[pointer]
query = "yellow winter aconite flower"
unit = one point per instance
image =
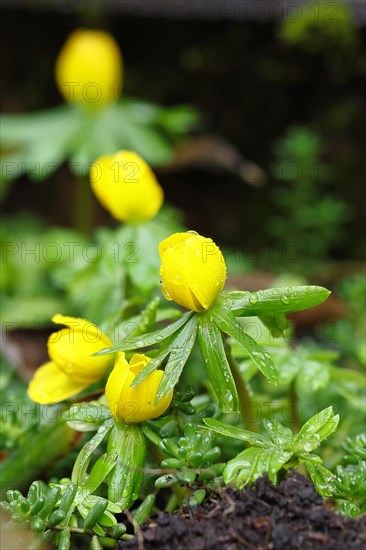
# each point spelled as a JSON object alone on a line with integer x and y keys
{"x": 72, "y": 367}
{"x": 134, "y": 404}
{"x": 89, "y": 68}
{"x": 126, "y": 186}
{"x": 192, "y": 271}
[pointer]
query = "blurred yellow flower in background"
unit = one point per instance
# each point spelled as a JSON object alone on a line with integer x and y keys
{"x": 193, "y": 270}
{"x": 135, "y": 404}
{"x": 72, "y": 367}
{"x": 89, "y": 68}
{"x": 126, "y": 186}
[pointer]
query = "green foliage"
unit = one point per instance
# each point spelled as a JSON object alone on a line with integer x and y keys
{"x": 55, "y": 269}
{"x": 190, "y": 456}
{"x": 316, "y": 373}
{"x": 29, "y": 294}
{"x": 14, "y": 424}
{"x": 177, "y": 339}
{"x": 120, "y": 468}
{"x": 309, "y": 216}
{"x": 126, "y": 446}
{"x": 316, "y": 26}
{"x": 351, "y": 329}
{"x": 350, "y": 478}
{"x": 274, "y": 301}
{"x": 55, "y": 511}
{"x": 279, "y": 449}
{"x": 38, "y": 143}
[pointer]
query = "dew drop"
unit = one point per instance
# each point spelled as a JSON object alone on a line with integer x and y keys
{"x": 253, "y": 299}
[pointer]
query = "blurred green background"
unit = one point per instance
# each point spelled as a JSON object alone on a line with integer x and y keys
{"x": 252, "y": 78}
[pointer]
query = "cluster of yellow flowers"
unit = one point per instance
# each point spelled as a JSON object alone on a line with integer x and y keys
{"x": 193, "y": 274}
{"x": 73, "y": 368}
{"x": 193, "y": 270}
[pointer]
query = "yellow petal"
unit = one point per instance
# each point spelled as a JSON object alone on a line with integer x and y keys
{"x": 89, "y": 68}
{"x": 173, "y": 240}
{"x": 126, "y": 186}
{"x": 50, "y": 385}
{"x": 205, "y": 269}
{"x": 134, "y": 404}
{"x": 139, "y": 400}
{"x": 137, "y": 362}
{"x": 173, "y": 276}
{"x": 192, "y": 271}
{"x": 72, "y": 349}
{"x": 115, "y": 384}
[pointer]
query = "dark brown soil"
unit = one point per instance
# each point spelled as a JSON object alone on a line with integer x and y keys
{"x": 263, "y": 517}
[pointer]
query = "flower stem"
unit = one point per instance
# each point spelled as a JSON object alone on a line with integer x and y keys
{"x": 83, "y": 206}
{"x": 248, "y": 411}
{"x": 293, "y": 408}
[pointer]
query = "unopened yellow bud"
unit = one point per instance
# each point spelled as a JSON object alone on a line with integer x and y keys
{"x": 89, "y": 68}
{"x": 126, "y": 186}
{"x": 135, "y": 404}
{"x": 192, "y": 271}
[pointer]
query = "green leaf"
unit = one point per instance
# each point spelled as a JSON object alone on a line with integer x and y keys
{"x": 178, "y": 119}
{"x": 322, "y": 478}
{"x": 281, "y": 436}
{"x": 125, "y": 122}
{"x": 351, "y": 385}
{"x": 178, "y": 357}
{"x": 226, "y": 322}
{"x": 91, "y": 500}
{"x": 68, "y": 498}
{"x": 252, "y": 463}
{"x": 42, "y": 138}
{"x": 83, "y": 459}
{"x": 143, "y": 512}
{"x": 315, "y": 430}
{"x": 99, "y": 472}
{"x": 148, "y": 316}
{"x": 236, "y": 433}
{"x": 95, "y": 513}
{"x": 55, "y": 518}
{"x": 92, "y": 411}
{"x": 219, "y": 372}
{"x": 155, "y": 363}
{"x": 277, "y": 324}
{"x": 148, "y": 339}
{"x": 274, "y": 301}
{"x": 127, "y": 442}
{"x": 313, "y": 376}
{"x": 355, "y": 449}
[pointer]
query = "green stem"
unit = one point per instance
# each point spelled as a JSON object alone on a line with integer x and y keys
{"x": 88, "y": 532}
{"x": 83, "y": 206}
{"x": 293, "y": 409}
{"x": 248, "y": 411}
{"x": 172, "y": 503}
{"x": 295, "y": 423}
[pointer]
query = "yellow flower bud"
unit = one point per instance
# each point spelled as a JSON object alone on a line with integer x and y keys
{"x": 192, "y": 271}
{"x": 89, "y": 68}
{"x": 134, "y": 404}
{"x": 72, "y": 367}
{"x": 126, "y": 186}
